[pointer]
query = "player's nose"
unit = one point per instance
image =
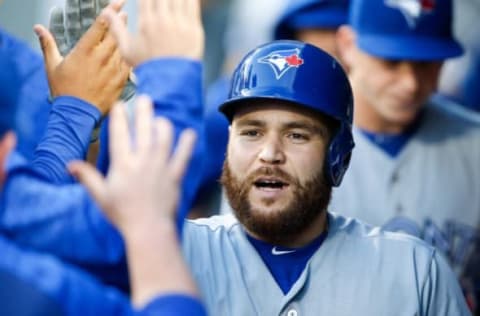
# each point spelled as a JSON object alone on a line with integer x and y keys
{"x": 272, "y": 151}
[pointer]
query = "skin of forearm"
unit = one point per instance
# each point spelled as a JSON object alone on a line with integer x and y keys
{"x": 156, "y": 264}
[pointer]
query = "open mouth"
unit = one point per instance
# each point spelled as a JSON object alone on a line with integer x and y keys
{"x": 270, "y": 183}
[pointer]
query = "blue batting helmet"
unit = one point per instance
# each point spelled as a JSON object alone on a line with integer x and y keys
{"x": 307, "y": 76}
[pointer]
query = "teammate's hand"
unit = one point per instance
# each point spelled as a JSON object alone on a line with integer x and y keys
{"x": 67, "y": 27}
{"x": 166, "y": 28}
{"x": 94, "y": 70}
{"x": 142, "y": 187}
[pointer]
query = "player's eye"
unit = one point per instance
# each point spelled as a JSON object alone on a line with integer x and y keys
{"x": 298, "y": 137}
{"x": 250, "y": 133}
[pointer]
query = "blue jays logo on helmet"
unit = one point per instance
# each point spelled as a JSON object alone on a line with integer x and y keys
{"x": 282, "y": 60}
{"x": 412, "y": 10}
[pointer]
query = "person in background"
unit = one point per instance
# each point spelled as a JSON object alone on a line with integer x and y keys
{"x": 415, "y": 167}
{"x": 313, "y": 21}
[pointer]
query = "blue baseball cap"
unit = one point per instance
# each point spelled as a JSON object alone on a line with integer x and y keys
{"x": 405, "y": 29}
{"x": 300, "y": 14}
{"x": 9, "y": 89}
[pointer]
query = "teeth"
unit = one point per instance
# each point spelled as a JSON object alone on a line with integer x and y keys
{"x": 275, "y": 184}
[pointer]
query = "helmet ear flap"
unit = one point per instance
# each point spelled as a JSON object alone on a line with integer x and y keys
{"x": 338, "y": 155}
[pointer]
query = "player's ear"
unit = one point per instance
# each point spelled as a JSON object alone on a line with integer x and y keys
{"x": 7, "y": 143}
{"x": 346, "y": 44}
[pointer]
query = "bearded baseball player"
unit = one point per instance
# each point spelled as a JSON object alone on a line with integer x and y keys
{"x": 291, "y": 110}
{"x": 283, "y": 253}
{"x": 291, "y": 113}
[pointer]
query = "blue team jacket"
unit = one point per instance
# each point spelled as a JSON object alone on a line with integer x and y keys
{"x": 42, "y": 210}
{"x": 31, "y": 81}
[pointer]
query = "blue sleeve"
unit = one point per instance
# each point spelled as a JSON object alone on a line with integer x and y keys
{"x": 74, "y": 291}
{"x": 175, "y": 86}
{"x": 64, "y": 221}
{"x": 173, "y": 305}
{"x": 33, "y": 108}
{"x": 103, "y": 159}
{"x": 31, "y": 82}
{"x": 67, "y": 138}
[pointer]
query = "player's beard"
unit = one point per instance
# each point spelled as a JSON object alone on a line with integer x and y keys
{"x": 284, "y": 224}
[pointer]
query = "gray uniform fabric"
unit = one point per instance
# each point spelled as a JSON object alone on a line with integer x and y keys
{"x": 431, "y": 190}
{"x": 358, "y": 270}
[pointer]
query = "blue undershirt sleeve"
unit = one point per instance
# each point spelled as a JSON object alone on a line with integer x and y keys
{"x": 67, "y": 138}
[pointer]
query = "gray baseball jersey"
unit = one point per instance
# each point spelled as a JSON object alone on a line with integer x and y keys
{"x": 358, "y": 270}
{"x": 430, "y": 190}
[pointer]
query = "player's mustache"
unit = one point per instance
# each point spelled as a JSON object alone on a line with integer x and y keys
{"x": 271, "y": 172}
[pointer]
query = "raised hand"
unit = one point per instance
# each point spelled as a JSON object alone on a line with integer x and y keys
{"x": 68, "y": 26}
{"x": 94, "y": 70}
{"x": 166, "y": 28}
{"x": 142, "y": 188}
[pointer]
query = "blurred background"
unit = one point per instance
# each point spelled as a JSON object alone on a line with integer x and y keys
{"x": 235, "y": 26}
{"x": 247, "y": 23}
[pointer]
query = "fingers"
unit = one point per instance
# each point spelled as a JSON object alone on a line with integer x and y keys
{"x": 91, "y": 179}
{"x": 116, "y": 5}
{"x": 119, "y": 144}
{"x": 186, "y": 8}
{"x": 57, "y": 28}
{"x": 164, "y": 140}
{"x": 51, "y": 55}
{"x": 113, "y": 76}
{"x": 182, "y": 154}
{"x": 152, "y": 5}
{"x": 107, "y": 48}
{"x": 109, "y": 44}
{"x": 95, "y": 33}
{"x": 119, "y": 31}
{"x": 194, "y": 10}
{"x": 146, "y": 15}
{"x": 178, "y": 7}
